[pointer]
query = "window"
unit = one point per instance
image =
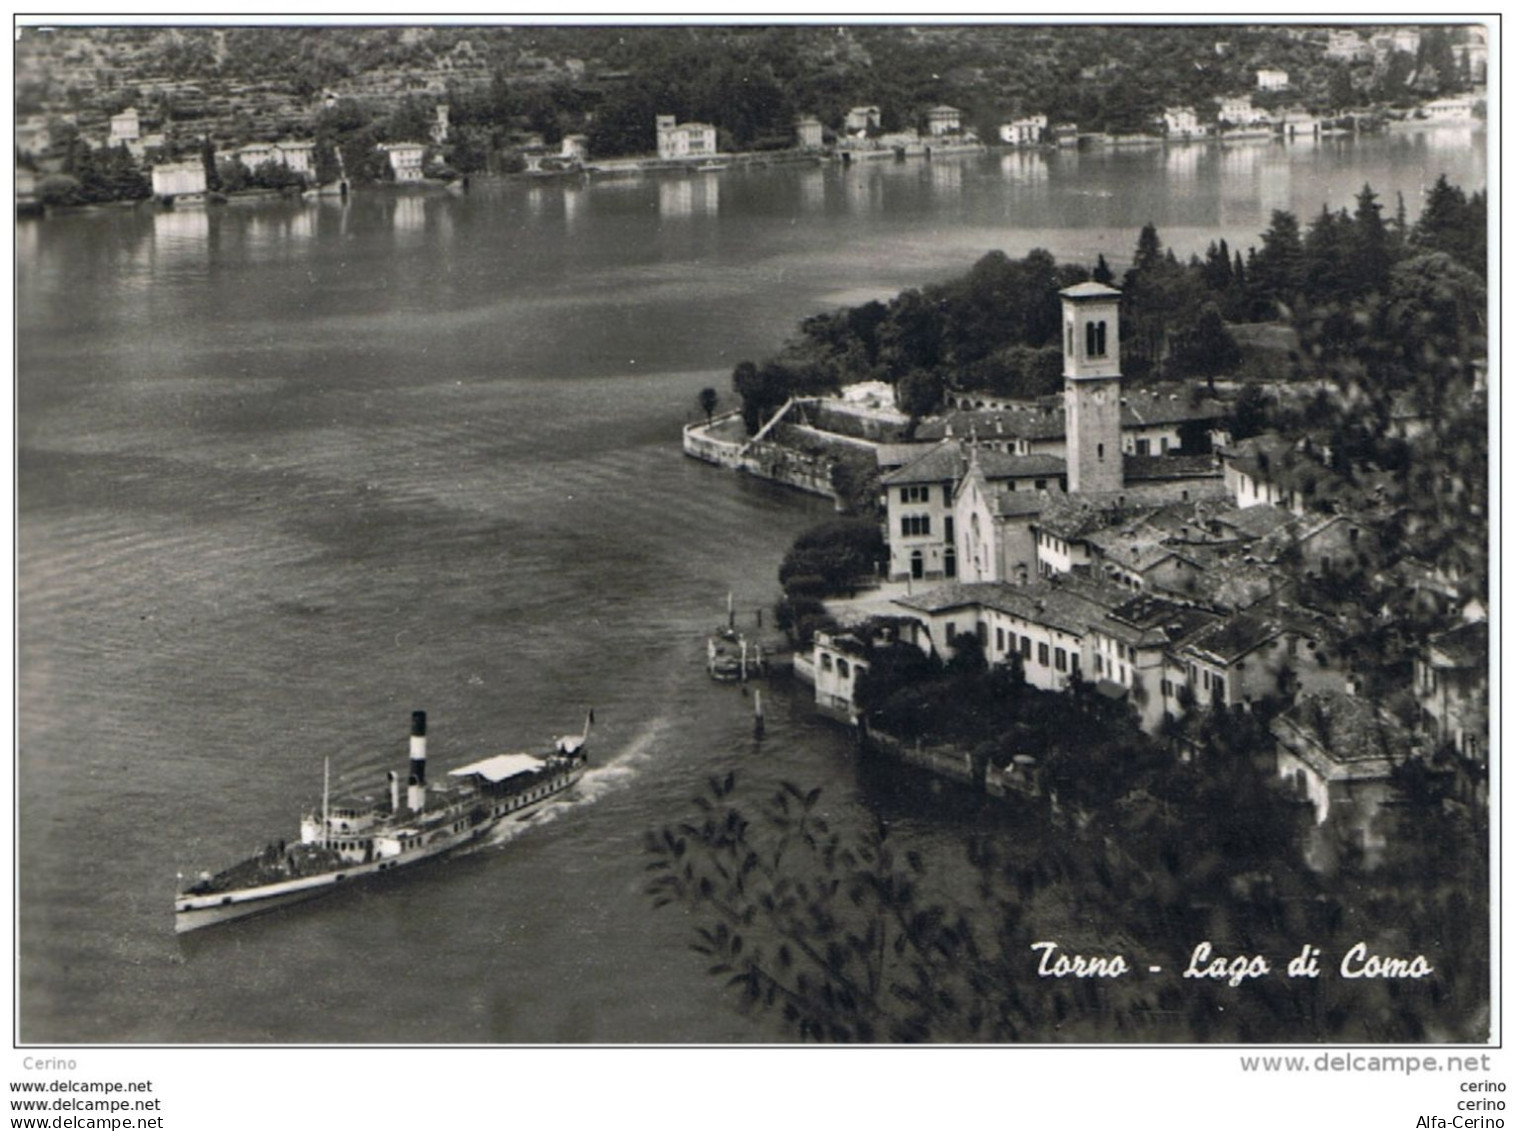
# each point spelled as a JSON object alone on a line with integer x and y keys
{"x": 825, "y": 661}
{"x": 1073, "y": 660}
{"x": 917, "y": 565}
{"x": 1219, "y": 687}
{"x": 1041, "y": 654}
{"x": 1060, "y": 660}
{"x": 915, "y": 525}
{"x": 1094, "y": 339}
{"x": 948, "y": 528}
{"x": 843, "y": 669}
{"x": 1099, "y": 450}
{"x": 999, "y": 639}
{"x": 1144, "y": 447}
{"x": 1041, "y": 484}
{"x": 915, "y": 494}
{"x": 951, "y": 632}
{"x": 1025, "y": 647}
{"x": 1099, "y": 664}
{"x": 1070, "y": 338}
{"x": 949, "y": 562}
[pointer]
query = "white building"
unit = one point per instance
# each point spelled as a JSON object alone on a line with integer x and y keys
{"x": 861, "y": 119}
{"x": 1182, "y": 122}
{"x": 405, "y": 159}
{"x": 1272, "y": 80}
{"x": 1239, "y": 111}
{"x": 691, "y": 139}
{"x": 184, "y": 178}
{"x": 809, "y": 133}
{"x": 1025, "y": 131}
{"x": 125, "y": 128}
{"x": 1459, "y": 109}
{"x": 943, "y": 120}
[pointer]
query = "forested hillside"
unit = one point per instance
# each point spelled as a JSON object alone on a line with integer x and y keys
{"x": 749, "y": 81}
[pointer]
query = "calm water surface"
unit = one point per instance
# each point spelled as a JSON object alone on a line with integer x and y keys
{"x": 289, "y": 471}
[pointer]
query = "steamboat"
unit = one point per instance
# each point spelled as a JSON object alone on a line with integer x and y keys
{"x": 350, "y": 839}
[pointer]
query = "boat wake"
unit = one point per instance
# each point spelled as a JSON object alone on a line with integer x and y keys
{"x": 598, "y": 782}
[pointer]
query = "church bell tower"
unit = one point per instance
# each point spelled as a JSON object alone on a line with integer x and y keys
{"x": 1091, "y": 386}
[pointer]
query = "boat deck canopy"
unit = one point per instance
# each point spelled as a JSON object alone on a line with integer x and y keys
{"x": 498, "y": 768}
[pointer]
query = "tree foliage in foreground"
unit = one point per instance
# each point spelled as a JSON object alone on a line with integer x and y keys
{"x": 845, "y": 934}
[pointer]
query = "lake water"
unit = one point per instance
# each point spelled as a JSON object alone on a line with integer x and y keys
{"x": 288, "y": 471}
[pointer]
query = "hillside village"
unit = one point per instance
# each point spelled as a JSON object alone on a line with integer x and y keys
{"x": 1121, "y": 542}
{"x": 143, "y": 111}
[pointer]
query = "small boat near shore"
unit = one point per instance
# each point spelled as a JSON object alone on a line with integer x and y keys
{"x": 729, "y": 656}
{"x": 349, "y": 839}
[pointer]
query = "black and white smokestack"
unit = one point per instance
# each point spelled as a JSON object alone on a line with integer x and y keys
{"x": 415, "y": 795}
{"x": 418, "y": 747}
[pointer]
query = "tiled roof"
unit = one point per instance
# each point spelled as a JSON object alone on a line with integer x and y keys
{"x": 1139, "y": 469}
{"x": 1089, "y": 290}
{"x": 941, "y": 463}
{"x": 1004, "y": 503}
{"x": 1229, "y": 640}
{"x": 1343, "y": 737}
{"x": 1466, "y": 646}
{"x": 1257, "y": 522}
{"x": 1075, "y": 517}
{"x": 1068, "y": 606}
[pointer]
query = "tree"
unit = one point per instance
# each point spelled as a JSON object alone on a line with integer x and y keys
{"x": 208, "y": 161}
{"x": 919, "y": 392}
{"x": 325, "y": 165}
{"x": 1207, "y": 350}
{"x": 1276, "y": 273}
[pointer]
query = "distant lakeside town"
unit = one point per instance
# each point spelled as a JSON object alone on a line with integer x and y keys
{"x": 167, "y": 122}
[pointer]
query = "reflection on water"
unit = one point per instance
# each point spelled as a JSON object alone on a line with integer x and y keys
{"x": 1275, "y": 180}
{"x": 812, "y": 190}
{"x": 575, "y": 201}
{"x": 1443, "y": 139}
{"x": 1182, "y": 161}
{"x": 696, "y": 194}
{"x": 409, "y": 213}
{"x": 1024, "y": 168}
{"x": 946, "y": 178}
{"x": 180, "y": 239}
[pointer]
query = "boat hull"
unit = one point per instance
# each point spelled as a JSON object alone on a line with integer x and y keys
{"x": 192, "y": 912}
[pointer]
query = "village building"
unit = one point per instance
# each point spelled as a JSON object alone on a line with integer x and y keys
{"x": 1046, "y": 624}
{"x": 918, "y": 503}
{"x": 942, "y": 120}
{"x": 575, "y": 147}
{"x": 405, "y": 159}
{"x": 809, "y": 133}
{"x": 125, "y": 128}
{"x": 689, "y": 139}
{"x": 996, "y": 501}
{"x": 298, "y": 157}
{"x": 1269, "y": 470}
{"x": 1452, "y": 690}
{"x": 179, "y": 180}
{"x": 839, "y": 659}
{"x": 1025, "y": 131}
{"x": 1268, "y": 79}
{"x": 1346, "y": 46}
{"x": 1458, "y": 108}
{"x": 1182, "y": 122}
{"x": 1262, "y": 653}
{"x": 1338, "y": 752}
{"x": 861, "y": 119}
{"x": 1129, "y": 647}
{"x": 441, "y": 124}
{"x": 1238, "y": 111}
